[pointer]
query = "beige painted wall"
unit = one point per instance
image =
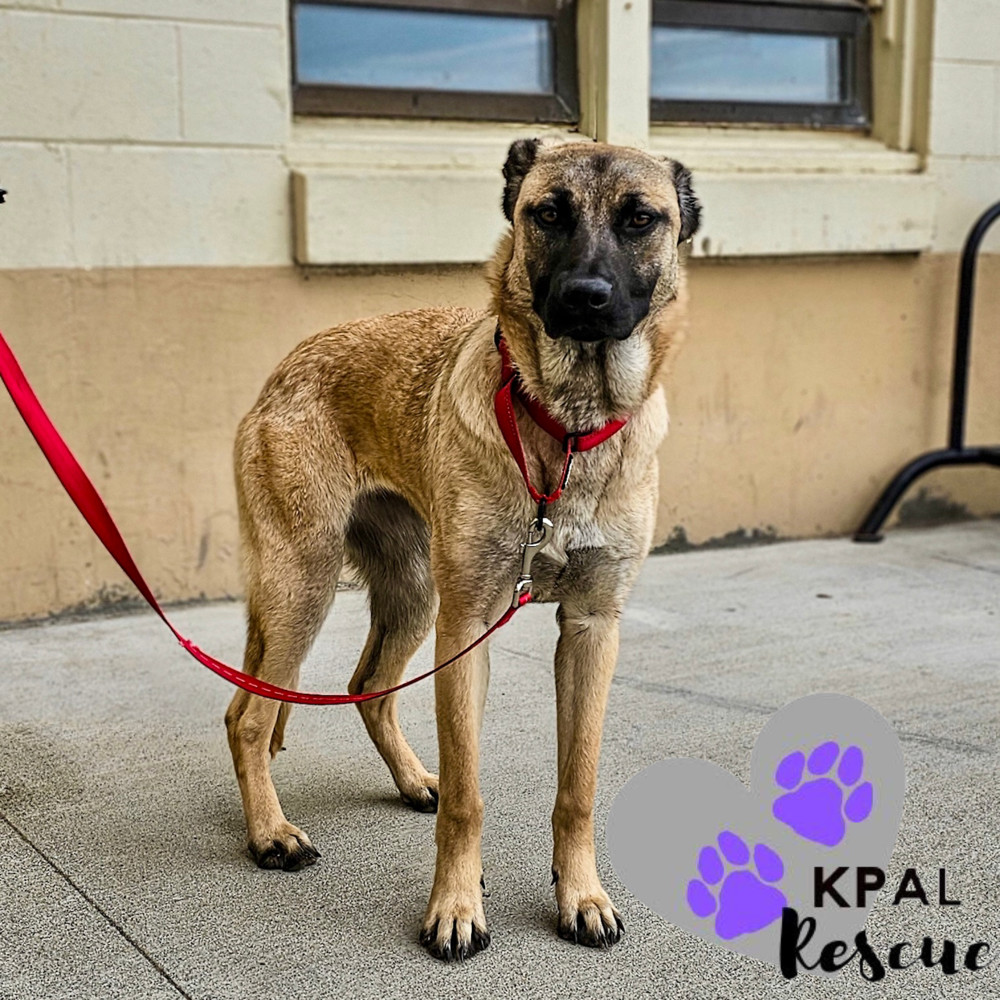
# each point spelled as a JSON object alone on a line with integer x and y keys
{"x": 801, "y": 388}
{"x": 806, "y": 384}
{"x": 146, "y": 277}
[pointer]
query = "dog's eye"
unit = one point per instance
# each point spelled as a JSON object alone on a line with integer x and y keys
{"x": 641, "y": 220}
{"x": 547, "y": 215}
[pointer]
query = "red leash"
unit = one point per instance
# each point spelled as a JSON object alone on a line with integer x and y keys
{"x": 82, "y": 492}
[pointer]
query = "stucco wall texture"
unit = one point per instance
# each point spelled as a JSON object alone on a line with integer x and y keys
{"x": 802, "y": 386}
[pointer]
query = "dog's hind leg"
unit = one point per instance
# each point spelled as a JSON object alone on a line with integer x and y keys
{"x": 278, "y": 736}
{"x": 282, "y": 622}
{"x": 294, "y": 491}
{"x": 388, "y": 543}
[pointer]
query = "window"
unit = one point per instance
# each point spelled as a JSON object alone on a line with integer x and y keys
{"x": 781, "y": 62}
{"x": 505, "y": 60}
{"x": 836, "y": 93}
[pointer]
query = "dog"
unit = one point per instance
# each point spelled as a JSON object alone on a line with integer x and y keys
{"x": 376, "y": 442}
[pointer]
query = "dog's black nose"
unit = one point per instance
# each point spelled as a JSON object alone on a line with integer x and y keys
{"x": 584, "y": 295}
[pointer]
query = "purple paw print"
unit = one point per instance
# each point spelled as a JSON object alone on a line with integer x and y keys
{"x": 743, "y": 904}
{"x": 816, "y": 809}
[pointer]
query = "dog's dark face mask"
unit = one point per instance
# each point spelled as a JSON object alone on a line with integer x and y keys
{"x": 596, "y": 229}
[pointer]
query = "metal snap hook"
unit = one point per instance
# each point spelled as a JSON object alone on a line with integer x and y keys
{"x": 539, "y": 534}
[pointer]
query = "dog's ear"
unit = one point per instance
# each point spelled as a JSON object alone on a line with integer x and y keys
{"x": 520, "y": 158}
{"x": 687, "y": 200}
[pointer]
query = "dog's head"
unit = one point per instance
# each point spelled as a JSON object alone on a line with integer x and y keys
{"x": 596, "y": 231}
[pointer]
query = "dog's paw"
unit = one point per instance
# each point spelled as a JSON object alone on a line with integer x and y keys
{"x": 454, "y": 926}
{"x": 588, "y": 917}
{"x": 422, "y": 795}
{"x": 288, "y": 848}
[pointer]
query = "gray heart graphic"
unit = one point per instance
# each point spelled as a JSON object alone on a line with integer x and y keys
{"x": 826, "y": 789}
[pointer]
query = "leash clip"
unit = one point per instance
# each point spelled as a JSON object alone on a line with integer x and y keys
{"x": 539, "y": 533}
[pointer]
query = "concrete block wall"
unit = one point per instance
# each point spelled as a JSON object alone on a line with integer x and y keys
{"x": 154, "y": 132}
{"x": 964, "y": 155}
{"x": 144, "y": 133}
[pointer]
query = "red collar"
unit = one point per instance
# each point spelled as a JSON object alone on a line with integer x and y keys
{"x": 572, "y": 441}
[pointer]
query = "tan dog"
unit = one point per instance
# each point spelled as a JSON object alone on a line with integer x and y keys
{"x": 377, "y": 442}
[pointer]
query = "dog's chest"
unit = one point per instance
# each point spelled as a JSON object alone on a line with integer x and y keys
{"x": 571, "y": 532}
{"x": 592, "y": 541}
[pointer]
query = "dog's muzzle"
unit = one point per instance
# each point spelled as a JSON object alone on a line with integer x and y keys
{"x": 587, "y": 308}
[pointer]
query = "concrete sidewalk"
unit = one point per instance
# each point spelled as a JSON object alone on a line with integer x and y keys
{"x": 124, "y": 872}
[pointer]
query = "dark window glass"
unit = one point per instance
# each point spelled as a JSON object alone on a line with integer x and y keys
{"x": 433, "y": 50}
{"x": 506, "y": 60}
{"x": 710, "y": 64}
{"x": 757, "y": 61}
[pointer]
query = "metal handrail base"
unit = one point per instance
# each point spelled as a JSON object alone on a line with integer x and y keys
{"x": 870, "y": 530}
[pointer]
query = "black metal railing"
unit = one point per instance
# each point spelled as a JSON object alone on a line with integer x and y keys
{"x": 956, "y": 453}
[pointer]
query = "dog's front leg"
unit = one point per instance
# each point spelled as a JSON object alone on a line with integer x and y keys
{"x": 585, "y": 663}
{"x": 454, "y": 925}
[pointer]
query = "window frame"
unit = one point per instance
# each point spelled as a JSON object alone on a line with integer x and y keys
{"x": 345, "y": 169}
{"x": 561, "y": 106}
{"x": 848, "y": 20}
